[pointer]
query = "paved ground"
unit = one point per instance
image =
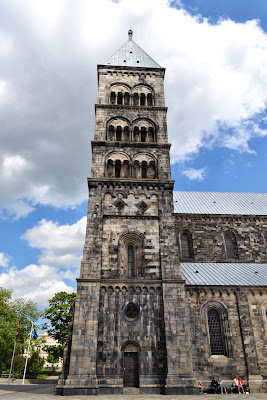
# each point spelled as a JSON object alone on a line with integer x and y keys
{"x": 29, "y": 394}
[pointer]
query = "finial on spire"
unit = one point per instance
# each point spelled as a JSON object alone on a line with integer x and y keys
{"x": 130, "y": 34}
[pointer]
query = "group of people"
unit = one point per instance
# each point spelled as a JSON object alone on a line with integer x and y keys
{"x": 218, "y": 386}
{"x": 237, "y": 382}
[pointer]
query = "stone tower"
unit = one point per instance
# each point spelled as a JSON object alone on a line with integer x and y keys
{"x": 131, "y": 321}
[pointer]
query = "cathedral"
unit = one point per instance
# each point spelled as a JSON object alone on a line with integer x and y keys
{"x": 173, "y": 285}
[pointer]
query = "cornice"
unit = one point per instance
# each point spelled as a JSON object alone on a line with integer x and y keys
{"x": 145, "y": 145}
{"x": 164, "y": 184}
{"x": 130, "y": 107}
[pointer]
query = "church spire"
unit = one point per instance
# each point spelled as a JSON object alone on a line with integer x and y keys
{"x": 131, "y": 55}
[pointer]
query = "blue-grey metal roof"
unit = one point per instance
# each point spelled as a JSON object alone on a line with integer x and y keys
{"x": 225, "y": 274}
{"x": 131, "y": 55}
{"x": 220, "y": 203}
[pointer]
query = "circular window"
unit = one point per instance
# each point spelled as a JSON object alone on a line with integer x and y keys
{"x": 131, "y": 311}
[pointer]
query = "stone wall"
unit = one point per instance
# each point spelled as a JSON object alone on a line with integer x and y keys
{"x": 243, "y": 330}
{"x": 208, "y": 236}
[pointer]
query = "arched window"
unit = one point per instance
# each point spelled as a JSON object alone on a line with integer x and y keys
{"x": 149, "y": 99}
{"x": 135, "y": 99}
{"x": 143, "y": 134}
{"x": 136, "y": 134}
{"x": 112, "y": 98}
{"x": 125, "y": 169}
{"x": 215, "y": 333}
{"x": 151, "y": 135}
{"x": 119, "y": 98}
{"x": 143, "y": 99}
{"x": 110, "y": 168}
{"x": 144, "y": 169}
{"x": 230, "y": 245}
{"x": 117, "y": 169}
{"x": 118, "y": 133}
{"x": 130, "y": 254}
{"x": 130, "y": 261}
{"x": 136, "y": 170}
{"x": 111, "y": 133}
{"x": 126, "y": 98}
{"x": 187, "y": 246}
{"x": 126, "y": 133}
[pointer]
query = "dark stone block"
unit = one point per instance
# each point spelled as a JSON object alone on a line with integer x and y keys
{"x": 181, "y": 390}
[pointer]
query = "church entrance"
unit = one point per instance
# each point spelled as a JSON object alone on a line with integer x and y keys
{"x": 130, "y": 366}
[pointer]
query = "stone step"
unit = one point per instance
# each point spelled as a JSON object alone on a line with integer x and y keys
{"x": 131, "y": 390}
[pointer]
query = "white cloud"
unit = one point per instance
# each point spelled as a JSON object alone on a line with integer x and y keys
{"x": 59, "y": 261}
{"x": 194, "y": 174}
{"x": 4, "y": 260}
{"x": 215, "y": 77}
{"x": 60, "y": 245}
{"x": 38, "y": 283}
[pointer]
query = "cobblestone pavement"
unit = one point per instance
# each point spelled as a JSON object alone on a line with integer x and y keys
{"x": 15, "y": 395}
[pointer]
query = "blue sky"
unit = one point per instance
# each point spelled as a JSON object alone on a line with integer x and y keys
{"x": 215, "y": 54}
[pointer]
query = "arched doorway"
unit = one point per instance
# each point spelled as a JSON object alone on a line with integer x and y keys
{"x": 130, "y": 366}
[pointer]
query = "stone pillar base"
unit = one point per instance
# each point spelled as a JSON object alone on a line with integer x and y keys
{"x": 181, "y": 384}
{"x": 151, "y": 384}
{"x": 78, "y": 385}
{"x": 110, "y": 384}
{"x": 256, "y": 384}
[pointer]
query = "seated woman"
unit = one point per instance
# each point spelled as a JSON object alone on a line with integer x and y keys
{"x": 237, "y": 385}
{"x": 241, "y": 384}
{"x": 200, "y": 386}
{"x": 222, "y": 386}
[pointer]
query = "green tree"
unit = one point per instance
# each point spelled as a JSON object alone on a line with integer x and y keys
{"x": 59, "y": 314}
{"x": 10, "y": 314}
{"x": 35, "y": 365}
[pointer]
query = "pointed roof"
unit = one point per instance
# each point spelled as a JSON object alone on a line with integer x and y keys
{"x": 131, "y": 55}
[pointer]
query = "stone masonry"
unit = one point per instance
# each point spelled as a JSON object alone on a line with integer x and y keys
{"x": 136, "y": 322}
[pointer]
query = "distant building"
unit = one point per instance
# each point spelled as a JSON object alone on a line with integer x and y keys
{"x": 173, "y": 285}
{"x": 49, "y": 341}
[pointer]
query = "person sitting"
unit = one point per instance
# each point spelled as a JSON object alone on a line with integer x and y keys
{"x": 237, "y": 385}
{"x": 222, "y": 386}
{"x": 200, "y": 386}
{"x": 241, "y": 384}
{"x": 214, "y": 385}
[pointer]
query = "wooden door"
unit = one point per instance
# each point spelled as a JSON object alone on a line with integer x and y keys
{"x": 131, "y": 375}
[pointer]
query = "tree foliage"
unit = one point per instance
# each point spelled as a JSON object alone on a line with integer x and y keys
{"x": 59, "y": 314}
{"x": 10, "y": 313}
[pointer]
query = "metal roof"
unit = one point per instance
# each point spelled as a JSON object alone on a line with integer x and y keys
{"x": 220, "y": 203}
{"x": 225, "y": 274}
{"x": 131, "y": 55}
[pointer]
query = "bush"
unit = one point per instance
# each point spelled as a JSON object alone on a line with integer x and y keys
{"x": 35, "y": 365}
{"x": 18, "y": 365}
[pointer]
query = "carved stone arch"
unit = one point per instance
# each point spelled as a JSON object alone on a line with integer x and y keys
{"x": 113, "y": 124}
{"x": 146, "y": 85}
{"x": 114, "y": 161}
{"x": 131, "y": 346}
{"x": 120, "y": 83}
{"x": 149, "y": 125}
{"x": 223, "y": 329}
{"x": 131, "y": 254}
{"x": 118, "y": 91}
{"x": 230, "y": 241}
{"x": 142, "y": 161}
{"x": 186, "y": 245}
